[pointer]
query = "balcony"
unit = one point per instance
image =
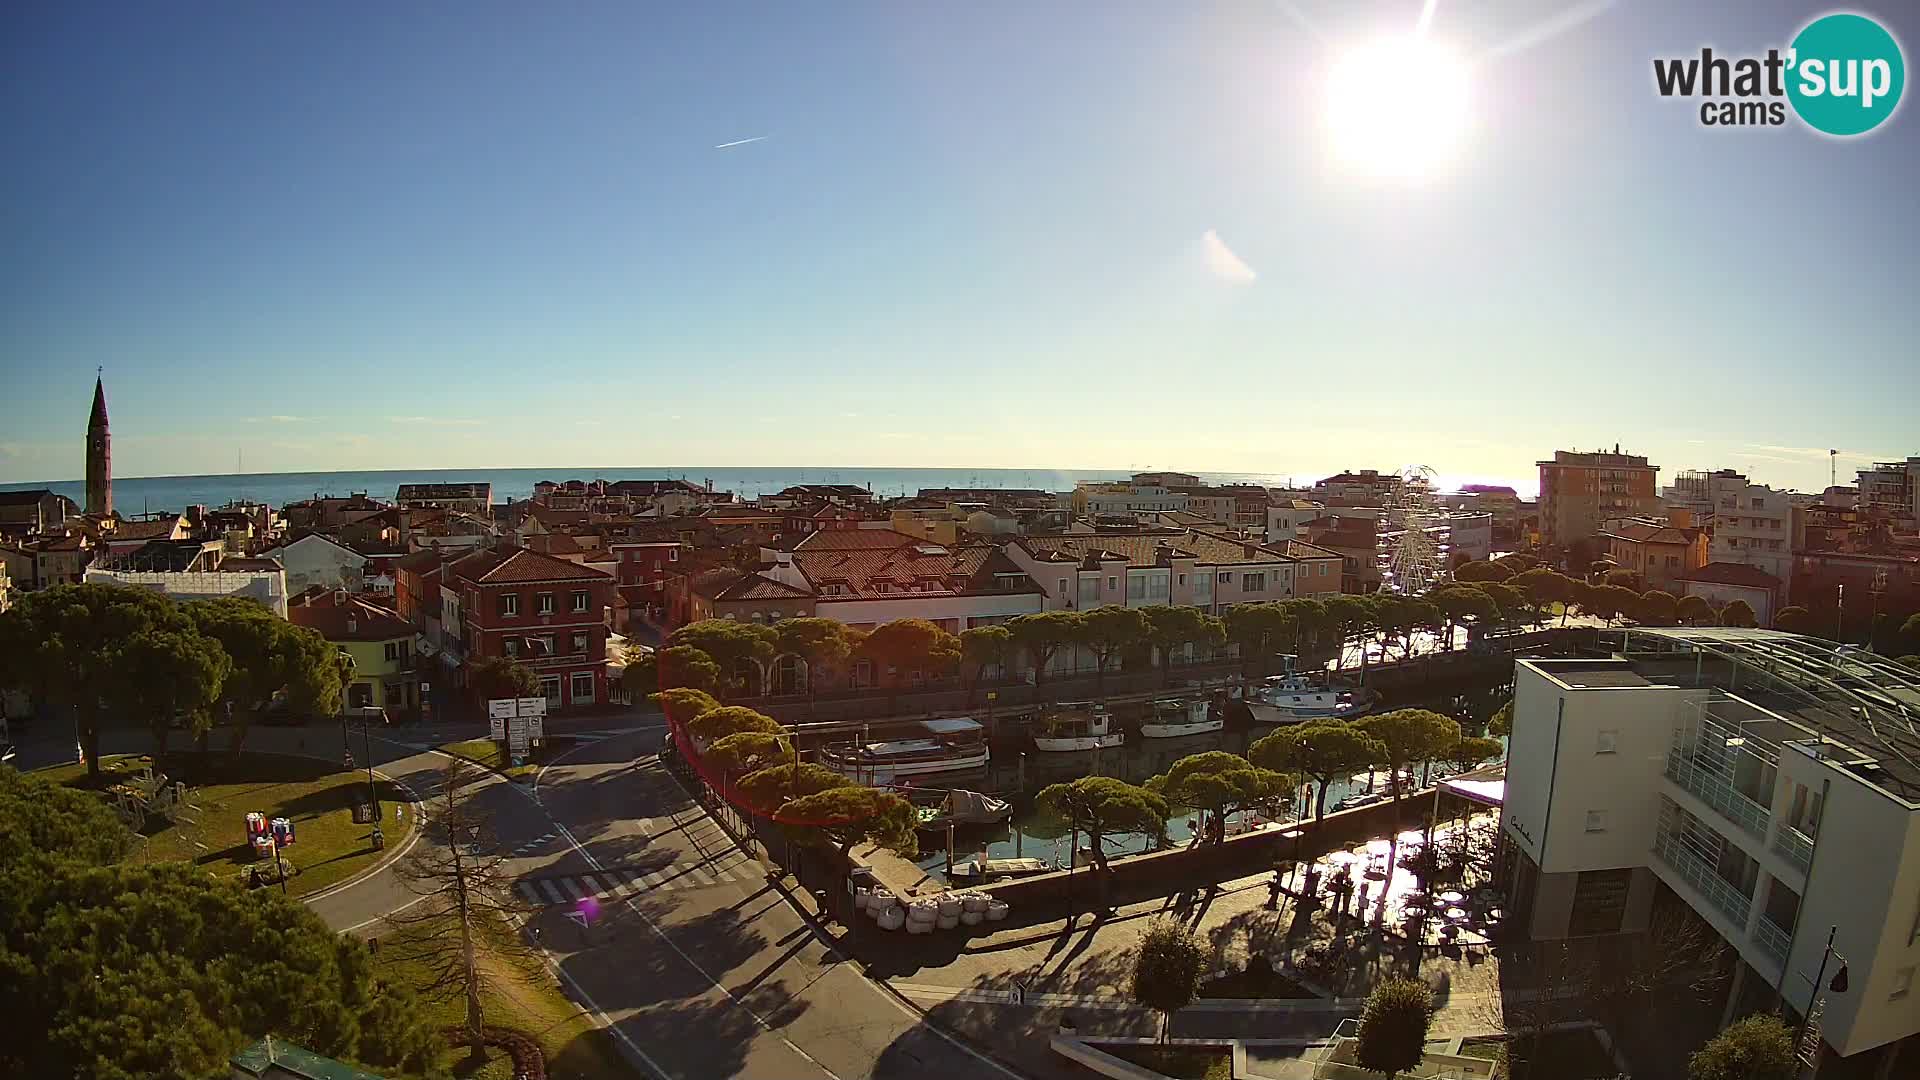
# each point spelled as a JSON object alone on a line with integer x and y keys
{"x": 1715, "y": 790}
{"x": 1773, "y": 941}
{"x": 1794, "y": 846}
{"x": 1695, "y": 872}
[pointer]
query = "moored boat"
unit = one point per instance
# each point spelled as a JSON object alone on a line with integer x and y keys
{"x": 950, "y": 746}
{"x": 1174, "y": 717}
{"x": 1076, "y": 725}
{"x": 1290, "y": 699}
{"x": 981, "y": 871}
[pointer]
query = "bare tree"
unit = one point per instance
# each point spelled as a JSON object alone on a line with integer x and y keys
{"x": 467, "y": 909}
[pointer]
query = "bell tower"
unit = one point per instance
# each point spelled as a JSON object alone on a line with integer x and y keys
{"x": 99, "y": 454}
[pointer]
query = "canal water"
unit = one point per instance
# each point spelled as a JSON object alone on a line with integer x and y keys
{"x": 1018, "y": 774}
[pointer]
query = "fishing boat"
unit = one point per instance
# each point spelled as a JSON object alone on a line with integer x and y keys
{"x": 981, "y": 871}
{"x": 1291, "y": 698}
{"x": 1077, "y": 725}
{"x": 949, "y": 746}
{"x": 962, "y": 808}
{"x": 1174, "y": 717}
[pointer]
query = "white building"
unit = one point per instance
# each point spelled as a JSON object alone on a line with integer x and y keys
{"x": 1753, "y": 526}
{"x": 317, "y": 559}
{"x": 269, "y": 587}
{"x": 1891, "y": 489}
{"x": 1125, "y": 500}
{"x": 1769, "y": 781}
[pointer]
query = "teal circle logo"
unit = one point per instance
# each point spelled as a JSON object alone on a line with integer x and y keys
{"x": 1845, "y": 74}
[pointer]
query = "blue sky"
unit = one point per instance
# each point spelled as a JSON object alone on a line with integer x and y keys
{"x": 354, "y": 236}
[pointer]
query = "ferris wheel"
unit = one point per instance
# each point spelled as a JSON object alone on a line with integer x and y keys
{"x": 1413, "y": 536}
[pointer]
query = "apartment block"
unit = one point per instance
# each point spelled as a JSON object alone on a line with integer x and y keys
{"x": 1769, "y": 781}
{"x": 1579, "y": 490}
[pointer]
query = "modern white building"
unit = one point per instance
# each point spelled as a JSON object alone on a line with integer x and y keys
{"x": 1770, "y": 781}
{"x": 1891, "y": 489}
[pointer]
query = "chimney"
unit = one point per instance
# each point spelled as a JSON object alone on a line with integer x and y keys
{"x": 1250, "y": 550}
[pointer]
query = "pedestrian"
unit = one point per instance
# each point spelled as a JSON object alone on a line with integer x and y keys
{"x": 1273, "y": 890}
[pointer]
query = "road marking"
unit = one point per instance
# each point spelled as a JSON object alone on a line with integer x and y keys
{"x": 711, "y": 981}
{"x": 573, "y": 889}
{"x": 552, "y": 891}
{"x": 593, "y": 884}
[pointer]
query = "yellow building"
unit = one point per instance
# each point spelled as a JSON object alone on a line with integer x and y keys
{"x": 385, "y": 666}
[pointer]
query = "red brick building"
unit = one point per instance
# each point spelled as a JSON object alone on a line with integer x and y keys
{"x": 642, "y": 568}
{"x": 547, "y": 613}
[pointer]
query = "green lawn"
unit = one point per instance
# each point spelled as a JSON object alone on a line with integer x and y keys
{"x": 523, "y": 995}
{"x": 494, "y": 756}
{"x": 1180, "y": 1062}
{"x": 317, "y": 797}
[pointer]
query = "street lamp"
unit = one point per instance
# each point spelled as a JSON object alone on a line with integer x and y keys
{"x": 1838, "y": 985}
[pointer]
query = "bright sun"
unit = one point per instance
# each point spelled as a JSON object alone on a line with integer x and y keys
{"x": 1397, "y": 108}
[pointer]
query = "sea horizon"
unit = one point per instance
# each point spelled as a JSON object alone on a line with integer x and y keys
{"x": 153, "y": 494}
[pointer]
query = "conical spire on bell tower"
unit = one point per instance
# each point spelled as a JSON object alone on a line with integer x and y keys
{"x": 99, "y": 452}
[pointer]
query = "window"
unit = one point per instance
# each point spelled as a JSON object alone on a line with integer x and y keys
{"x": 1136, "y": 587}
{"x": 582, "y": 687}
{"x": 673, "y": 554}
{"x": 1759, "y": 504}
{"x": 1060, "y": 587}
{"x": 1113, "y": 584}
{"x": 397, "y": 650}
{"x": 545, "y": 642}
{"x": 1253, "y": 582}
{"x": 580, "y": 600}
{"x": 543, "y": 603}
{"x": 396, "y": 695}
{"x": 579, "y": 644}
{"x": 511, "y": 646}
{"x": 550, "y": 689}
{"x": 510, "y": 603}
{"x": 1183, "y": 579}
{"x": 1596, "y": 821}
{"x": 1226, "y": 577}
{"x": 1607, "y": 743}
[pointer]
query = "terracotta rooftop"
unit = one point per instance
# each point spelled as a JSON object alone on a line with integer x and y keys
{"x": 521, "y": 566}
{"x": 144, "y": 530}
{"x": 1654, "y": 534}
{"x": 853, "y": 539}
{"x": 908, "y": 567}
{"x": 1141, "y": 549}
{"x": 341, "y": 617}
{"x": 1725, "y": 573}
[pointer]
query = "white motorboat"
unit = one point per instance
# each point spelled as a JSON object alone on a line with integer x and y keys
{"x": 1174, "y": 717}
{"x": 951, "y": 746}
{"x": 1076, "y": 725}
{"x": 1290, "y": 699}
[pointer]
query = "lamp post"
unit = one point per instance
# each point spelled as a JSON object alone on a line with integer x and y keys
{"x": 1838, "y": 986}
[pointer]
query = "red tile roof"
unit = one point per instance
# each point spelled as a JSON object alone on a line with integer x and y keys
{"x": 340, "y": 617}
{"x": 909, "y": 567}
{"x": 1654, "y": 534}
{"x": 852, "y": 539}
{"x": 1725, "y": 573}
{"x": 521, "y": 566}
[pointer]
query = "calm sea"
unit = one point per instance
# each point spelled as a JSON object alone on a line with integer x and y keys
{"x": 135, "y": 494}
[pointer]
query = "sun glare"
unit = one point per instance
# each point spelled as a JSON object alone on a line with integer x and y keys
{"x": 1397, "y": 108}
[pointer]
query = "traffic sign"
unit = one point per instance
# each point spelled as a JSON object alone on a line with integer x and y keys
{"x": 579, "y": 917}
{"x": 501, "y": 708}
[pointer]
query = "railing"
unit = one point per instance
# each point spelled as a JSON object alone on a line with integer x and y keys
{"x": 1773, "y": 941}
{"x": 1714, "y": 789}
{"x": 1793, "y": 845}
{"x": 1731, "y": 901}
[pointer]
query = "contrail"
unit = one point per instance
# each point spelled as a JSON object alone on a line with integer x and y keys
{"x": 741, "y": 142}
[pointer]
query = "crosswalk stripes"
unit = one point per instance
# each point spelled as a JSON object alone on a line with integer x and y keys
{"x": 622, "y": 883}
{"x": 532, "y": 846}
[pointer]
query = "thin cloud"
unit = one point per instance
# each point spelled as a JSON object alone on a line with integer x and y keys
{"x": 1814, "y": 452}
{"x": 279, "y": 418}
{"x": 1223, "y": 263}
{"x": 741, "y": 142}
{"x": 437, "y": 421}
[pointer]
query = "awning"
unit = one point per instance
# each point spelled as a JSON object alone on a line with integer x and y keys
{"x": 1486, "y": 786}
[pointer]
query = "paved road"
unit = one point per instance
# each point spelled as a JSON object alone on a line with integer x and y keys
{"x": 700, "y": 968}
